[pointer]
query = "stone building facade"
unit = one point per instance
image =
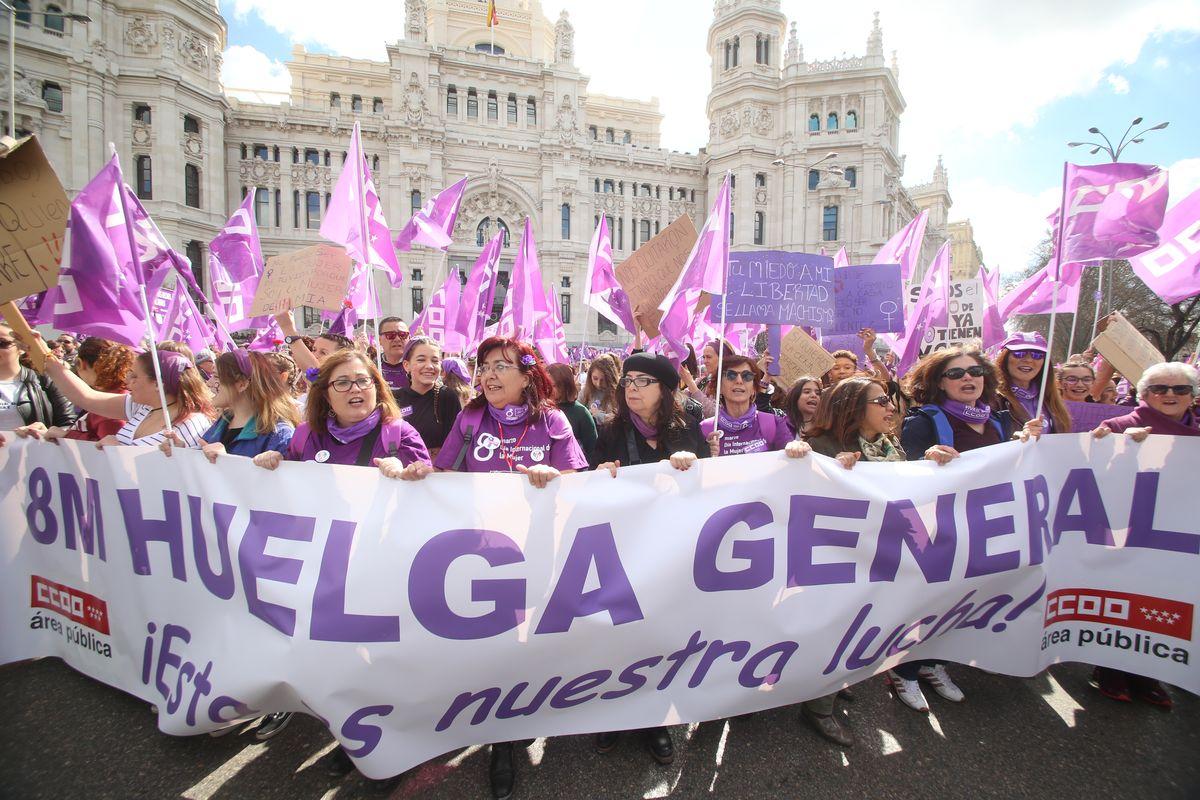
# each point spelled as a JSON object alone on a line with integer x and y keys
{"x": 513, "y": 113}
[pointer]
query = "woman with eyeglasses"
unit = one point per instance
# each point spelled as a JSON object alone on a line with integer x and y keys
{"x": 738, "y": 426}
{"x": 1021, "y": 369}
{"x": 426, "y": 403}
{"x": 1075, "y": 379}
{"x": 1166, "y": 393}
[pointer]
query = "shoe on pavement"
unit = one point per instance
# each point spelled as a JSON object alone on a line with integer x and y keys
{"x": 605, "y": 742}
{"x": 908, "y": 692}
{"x": 272, "y": 724}
{"x": 658, "y": 740}
{"x": 828, "y": 726}
{"x": 1150, "y": 691}
{"x": 937, "y": 677}
{"x": 502, "y": 773}
{"x": 340, "y": 764}
{"x": 1112, "y": 683}
{"x": 846, "y": 694}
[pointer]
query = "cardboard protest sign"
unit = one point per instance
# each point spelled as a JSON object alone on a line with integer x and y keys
{"x": 648, "y": 274}
{"x": 801, "y": 355}
{"x": 1123, "y": 346}
{"x": 33, "y": 220}
{"x": 966, "y": 304}
{"x": 1086, "y": 416}
{"x": 316, "y": 276}
{"x": 778, "y": 287}
{"x": 869, "y": 296}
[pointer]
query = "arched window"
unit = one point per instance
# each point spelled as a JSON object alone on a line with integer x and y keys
{"x": 191, "y": 185}
{"x": 52, "y": 96}
{"x": 736, "y": 47}
{"x": 814, "y": 177}
{"x": 275, "y": 153}
{"x": 295, "y": 155}
{"x": 23, "y": 11}
{"x": 243, "y": 153}
{"x": 191, "y": 124}
{"x": 145, "y": 178}
{"x": 851, "y": 120}
{"x": 762, "y": 49}
{"x": 415, "y": 201}
{"x": 596, "y": 185}
{"x": 760, "y": 227}
{"x": 852, "y": 176}
{"x": 451, "y": 102}
{"x": 325, "y": 158}
{"x": 531, "y": 112}
{"x": 645, "y": 190}
{"x": 484, "y": 231}
{"x": 814, "y": 123}
{"x": 488, "y": 47}
{"x": 53, "y": 19}
{"x": 374, "y": 163}
{"x": 472, "y": 104}
{"x": 511, "y": 109}
{"x": 608, "y": 185}
{"x": 831, "y": 122}
{"x": 670, "y": 192}
{"x": 566, "y": 221}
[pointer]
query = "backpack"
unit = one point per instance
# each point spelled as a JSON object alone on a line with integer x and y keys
{"x": 390, "y": 432}
{"x": 941, "y": 424}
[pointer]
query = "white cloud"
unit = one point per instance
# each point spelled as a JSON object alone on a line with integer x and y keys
{"x": 1118, "y": 83}
{"x": 1185, "y": 178}
{"x": 247, "y": 73}
{"x": 1162, "y": 62}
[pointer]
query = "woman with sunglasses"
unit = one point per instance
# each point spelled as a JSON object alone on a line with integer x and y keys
{"x": 1021, "y": 369}
{"x": 26, "y": 397}
{"x": 104, "y": 366}
{"x": 1166, "y": 393}
{"x": 738, "y": 426}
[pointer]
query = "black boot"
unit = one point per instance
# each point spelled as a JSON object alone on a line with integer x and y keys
{"x": 658, "y": 740}
{"x": 606, "y": 741}
{"x": 502, "y": 772}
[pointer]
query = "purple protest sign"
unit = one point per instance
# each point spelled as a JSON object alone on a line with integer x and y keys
{"x": 1086, "y": 416}
{"x": 869, "y": 296}
{"x": 845, "y": 341}
{"x": 774, "y": 286}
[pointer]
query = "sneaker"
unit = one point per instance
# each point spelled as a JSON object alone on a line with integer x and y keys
{"x": 908, "y": 692}
{"x": 272, "y": 724}
{"x": 937, "y": 677}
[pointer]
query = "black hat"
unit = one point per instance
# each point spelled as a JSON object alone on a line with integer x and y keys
{"x": 655, "y": 365}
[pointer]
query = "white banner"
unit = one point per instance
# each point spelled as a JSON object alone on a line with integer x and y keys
{"x": 415, "y": 618}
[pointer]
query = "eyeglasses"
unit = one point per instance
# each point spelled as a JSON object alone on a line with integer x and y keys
{"x": 1161, "y": 389}
{"x": 883, "y": 401}
{"x": 345, "y": 384}
{"x": 746, "y": 375}
{"x": 392, "y": 336}
{"x": 957, "y": 373}
{"x": 1071, "y": 380}
{"x": 1036, "y": 355}
{"x": 6, "y": 343}
{"x": 641, "y": 381}
{"x": 500, "y": 368}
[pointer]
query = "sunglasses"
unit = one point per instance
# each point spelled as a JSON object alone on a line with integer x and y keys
{"x": 883, "y": 401}
{"x": 957, "y": 373}
{"x": 6, "y": 343}
{"x": 1036, "y": 355}
{"x": 1161, "y": 389}
{"x": 746, "y": 375}
{"x": 392, "y": 336}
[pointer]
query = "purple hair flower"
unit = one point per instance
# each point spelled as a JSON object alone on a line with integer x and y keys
{"x": 311, "y": 373}
{"x": 528, "y": 360}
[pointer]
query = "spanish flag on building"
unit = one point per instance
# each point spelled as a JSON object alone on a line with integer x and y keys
{"x": 492, "y": 18}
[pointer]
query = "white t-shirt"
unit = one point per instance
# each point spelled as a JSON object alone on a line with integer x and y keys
{"x": 10, "y": 417}
{"x": 190, "y": 430}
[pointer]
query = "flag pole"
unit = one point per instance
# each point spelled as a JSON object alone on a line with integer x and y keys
{"x": 1099, "y": 294}
{"x": 137, "y": 266}
{"x": 1058, "y": 254}
{"x": 372, "y": 298}
{"x": 721, "y": 344}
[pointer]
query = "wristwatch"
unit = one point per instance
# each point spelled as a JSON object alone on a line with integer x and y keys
{"x": 289, "y": 339}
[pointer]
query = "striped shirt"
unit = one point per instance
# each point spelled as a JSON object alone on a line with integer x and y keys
{"x": 191, "y": 429}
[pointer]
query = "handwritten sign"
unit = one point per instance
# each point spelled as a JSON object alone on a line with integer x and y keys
{"x": 648, "y": 274}
{"x": 315, "y": 276}
{"x": 1123, "y": 346}
{"x": 966, "y": 304}
{"x": 869, "y": 296}
{"x": 775, "y": 286}
{"x": 1086, "y": 416}
{"x": 801, "y": 355}
{"x": 845, "y": 341}
{"x": 33, "y": 220}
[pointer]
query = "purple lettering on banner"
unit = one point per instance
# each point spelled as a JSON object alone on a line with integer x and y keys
{"x": 1037, "y": 501}
{"x": 1142, "y": 532}
{"x": 40, "y": 494}
{"x": 736, "y": 650}
{"x": 902, "y": 526}
{"x": 902, "y": 642}
{"x": 142, "y": 531}
{"x": 593, "y": 545}
{"x": 757, "y": 553}
{"x": 222, "y": 702}
{"x": 803, "y": 536}
{"x": 778, "y": 287}
{"x": 168, "y": 659}
{"x": 330, "y": 622}
{"x": 980, "y": 529}
{"x": 632, "y": 677}
{"x": 256, "y": 565}
{"x": 571, "y": 693}
{"x": 427, "y": 585}
{"x": 695, "y": 645}
{"x": 90, "y": 522}
{"x": 782, "y": 651}
{"x": 870, "y": 296}
{"x": 1080, "y": 486}
{"x": 487, "y": 698}
{"x": 369, "y": 735}
{"x": 202, "y": 688}
{"x": 508, "y": 708}
{"x": 219, "y": 584}
{"x": 1088, "y": 416}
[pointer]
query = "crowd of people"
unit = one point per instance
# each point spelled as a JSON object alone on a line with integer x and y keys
{"x": 324, "y": 399}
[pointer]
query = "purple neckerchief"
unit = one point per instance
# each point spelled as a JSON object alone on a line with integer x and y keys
{"x": 735, "y": 424}
{"x": 1028, "y": 400}
{"x": 352, "y": 433}
{"x": 974, "y": 414}
{"x": 644, "y": 428}
{"x": 509, "y": 415}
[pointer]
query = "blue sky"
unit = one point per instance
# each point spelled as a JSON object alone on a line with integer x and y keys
{"x": 997, "y": 91}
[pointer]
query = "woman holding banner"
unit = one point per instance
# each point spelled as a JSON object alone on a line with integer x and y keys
{"x": 738, "y": 426}
{"x": 1021, "y": 376}
{"x": 103, "y": 365}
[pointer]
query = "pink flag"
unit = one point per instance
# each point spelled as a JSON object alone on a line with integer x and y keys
{"x": 433, "y": 224}
{"x": 1036, "y": 293}
{"x": 1172, "y": 269}
{"x": 601, "y": 289}
{"x": 841, "y": 259}
{"x": 551, "y": 339}
{"x": 905, "y": 247}
{"x": 270, "y": 338}
{"x": 704, "y": 271}
{"x": 354, "y": 205}
{"x": 438, "y": 318}
{"x": 231, "y": 300}
{"x": 1112, "y": 210}
{"x": 525, "y": 298}
{"x": 993, "y": 323}
{"x": 475, "y": 305}
{"x": 237, "y": 247}
{"x": 185, "y": 323}
{"x": 932, "y": 309}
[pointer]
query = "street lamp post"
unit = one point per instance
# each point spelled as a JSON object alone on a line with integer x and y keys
{"x": 12, "y": 60}
{"x": 780, "y": 162}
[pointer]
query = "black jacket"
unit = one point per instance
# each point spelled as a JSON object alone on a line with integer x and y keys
{"x": 612, "y": 443}
{"x": 39, "y": 400}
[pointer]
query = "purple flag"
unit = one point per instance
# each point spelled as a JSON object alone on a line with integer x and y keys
{"x": 237, "y": 247}
{"x": 475, "y": 303}
{"x": 551, "y": 339}
{"x": 932, "y": 309}
{"x": 601, "y": 289}
{"x": 270, "y": 338}
{"x": 704, "y": 271}
{"x": 433, "y": 224}
{"x": 33, "y": 307}
{"x": 905, "y": 247}
{"x": 525, "y": 298}
{"x": 993, "y": 323}
{"x": 440, "y": 315}
{"x": 185, "y": 322}
{"x": 343, "y": 324}
{"x": 1172, "y": 269}
{"x": 353, "y": 204}
{"x": 1035, "y": 294}
{"x": 231, "y": 300}
{"x": 1112, "y": 210}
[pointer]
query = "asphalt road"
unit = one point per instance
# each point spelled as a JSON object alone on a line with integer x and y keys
{"x": 65, "y": 736}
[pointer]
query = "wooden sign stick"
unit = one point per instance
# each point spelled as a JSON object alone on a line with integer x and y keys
{"x": 16, "y": 320}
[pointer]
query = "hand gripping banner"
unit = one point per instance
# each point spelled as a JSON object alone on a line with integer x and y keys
{"x": 416, "y": 618}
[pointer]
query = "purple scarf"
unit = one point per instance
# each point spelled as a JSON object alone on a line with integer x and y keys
{"x": 1028, "y": 400}
{"x": 509, "y": 415}
{"x": 352, "y": 433}
{"x": 645, "y": 429}
{"x": 736, "y": 424}
{"x": 976, "y": 414}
